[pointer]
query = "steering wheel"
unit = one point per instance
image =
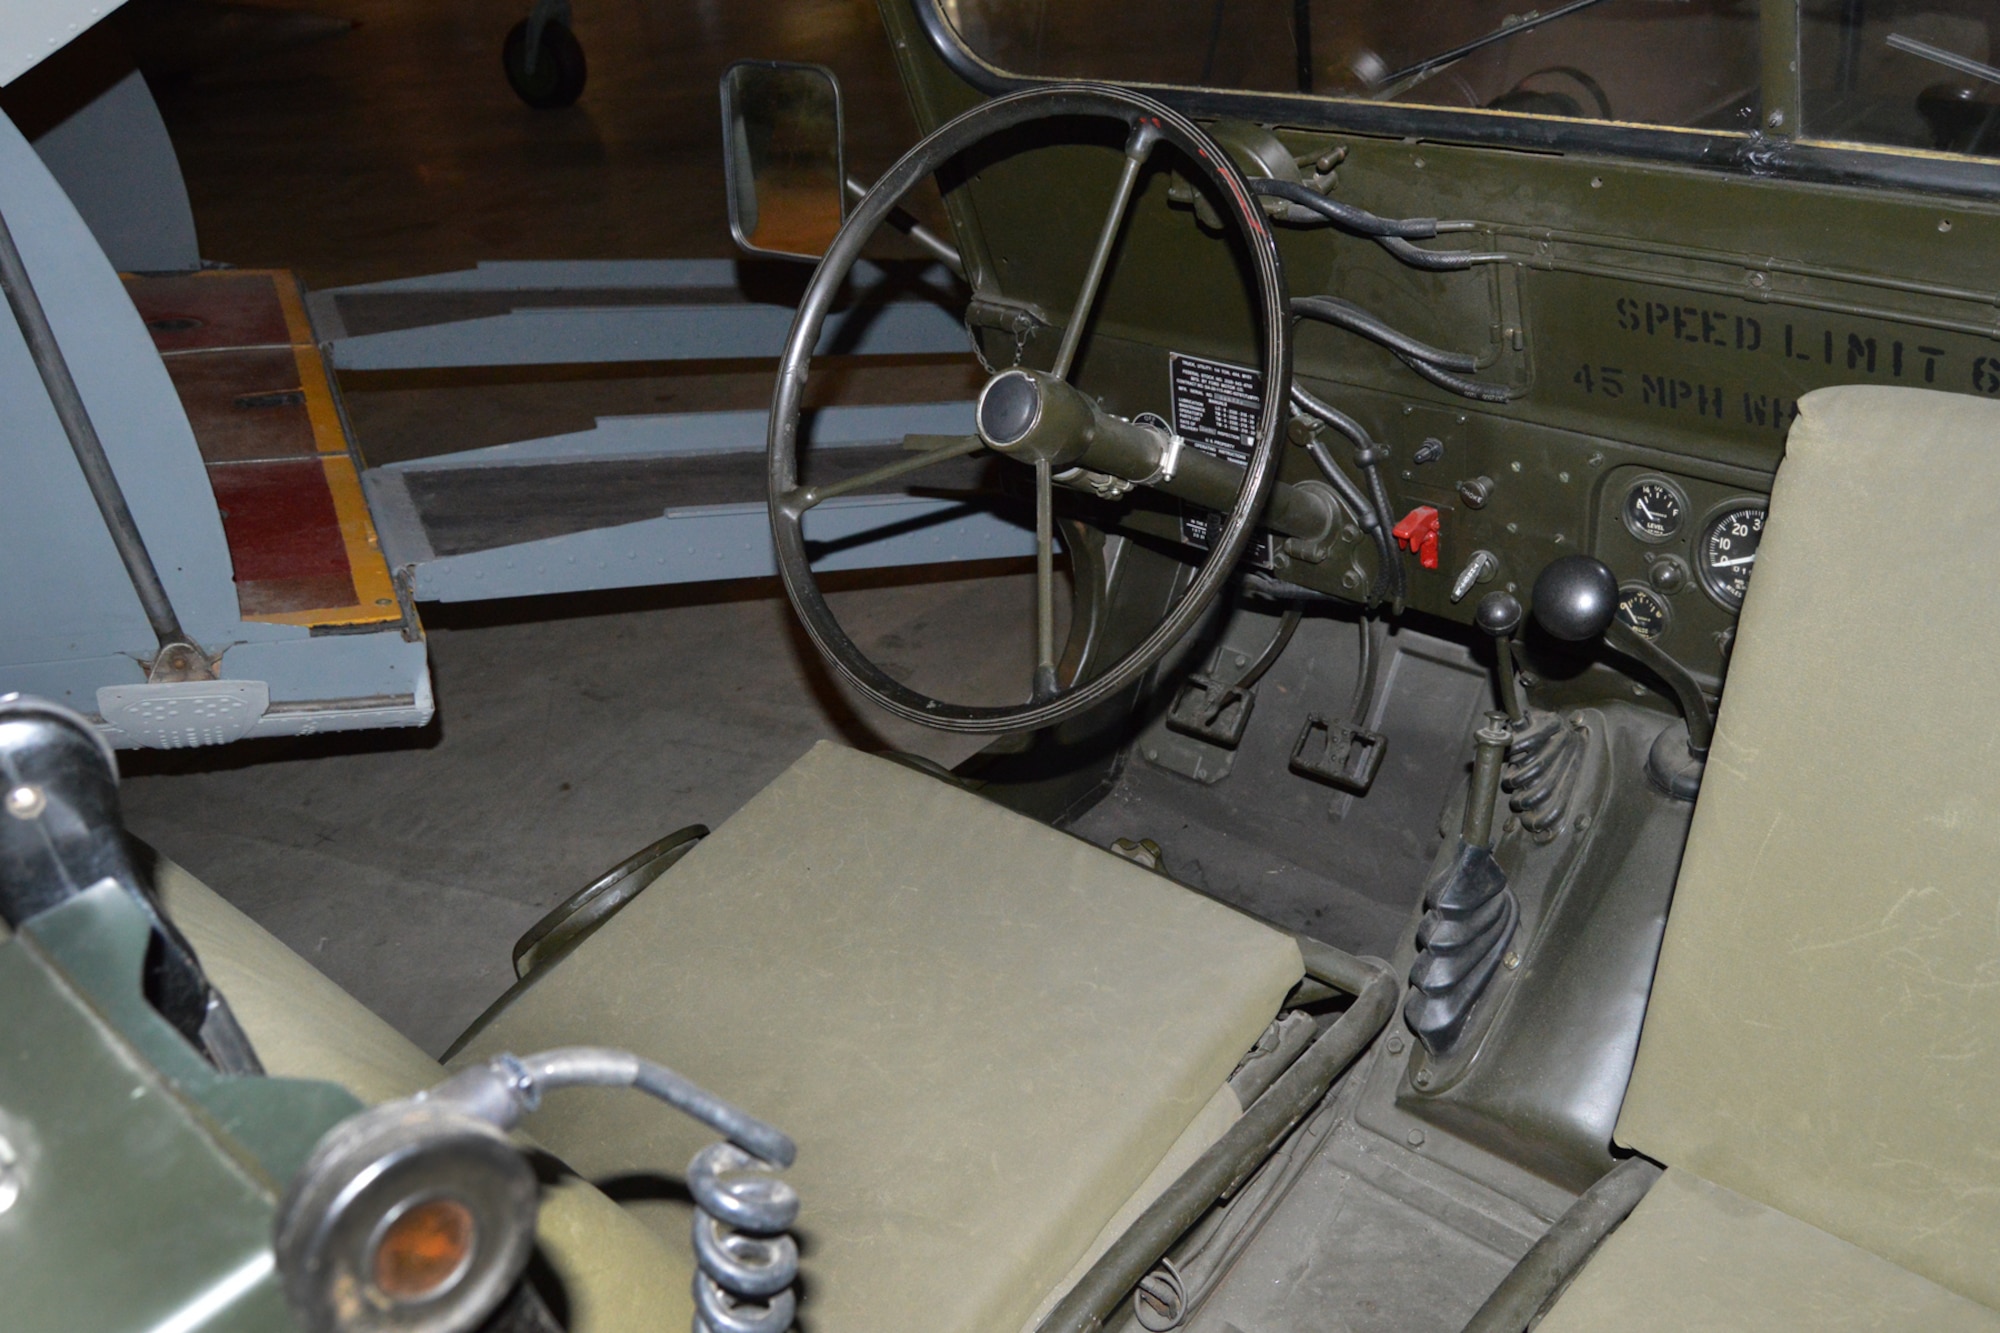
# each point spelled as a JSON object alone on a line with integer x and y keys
{"x": 1036, "y": 418}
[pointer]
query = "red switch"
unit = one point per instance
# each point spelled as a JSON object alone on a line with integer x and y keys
{"x": 1418, "y": 534}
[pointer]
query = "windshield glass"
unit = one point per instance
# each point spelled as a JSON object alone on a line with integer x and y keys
{"x": 1907, "y": 73}
{"x": 1691, "y": 63}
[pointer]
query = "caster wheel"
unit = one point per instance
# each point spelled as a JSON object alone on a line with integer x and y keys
{"x": 557, "y": 79}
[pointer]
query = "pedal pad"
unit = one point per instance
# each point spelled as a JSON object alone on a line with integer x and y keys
{"x": 1211, "y": 711}
{"x": 1339, "y": 753}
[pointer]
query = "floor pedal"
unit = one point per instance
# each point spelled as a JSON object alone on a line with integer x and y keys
{"x": 1211, "y": 711}
{"x": 1338, "y": 753}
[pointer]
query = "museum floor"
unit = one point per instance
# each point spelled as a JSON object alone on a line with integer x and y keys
{"x": 354, "y": 140}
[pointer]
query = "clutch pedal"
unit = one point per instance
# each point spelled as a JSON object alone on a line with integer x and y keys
{"x": 1211, "y": 711}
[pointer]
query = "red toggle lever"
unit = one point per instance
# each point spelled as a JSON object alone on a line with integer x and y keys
{"x": 1418, "y": 534}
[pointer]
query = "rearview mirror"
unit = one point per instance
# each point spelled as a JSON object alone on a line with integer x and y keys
{"x": 783, "y": 153}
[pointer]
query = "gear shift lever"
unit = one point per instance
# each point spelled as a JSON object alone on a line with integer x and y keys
{"x": 1576, "y": 599}
{"x": 1499, "y": 614}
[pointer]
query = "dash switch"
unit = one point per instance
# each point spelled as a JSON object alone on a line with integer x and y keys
{"x": 1418, "y": 534}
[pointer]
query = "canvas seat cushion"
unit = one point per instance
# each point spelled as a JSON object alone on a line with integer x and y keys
{"x": 984, "y": 1034}
{"x": 1823, "y": 1029}
{"x": 1694, "y": 1255}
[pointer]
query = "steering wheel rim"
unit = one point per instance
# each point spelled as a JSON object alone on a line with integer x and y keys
{"x": 1148, "y": 121}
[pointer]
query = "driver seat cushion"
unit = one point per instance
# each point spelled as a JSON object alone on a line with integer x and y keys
{"x": 1821, "y": 1035}
{"x": 984, "y": 1034}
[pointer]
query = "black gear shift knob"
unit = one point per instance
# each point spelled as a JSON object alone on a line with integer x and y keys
{"x": 1575, "y": 598}
{"x": 1498, "y": 614}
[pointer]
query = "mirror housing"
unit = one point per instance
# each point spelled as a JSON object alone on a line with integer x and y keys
{"x": 784, "y": 153}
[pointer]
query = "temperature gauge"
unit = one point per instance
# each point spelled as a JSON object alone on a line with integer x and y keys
{"x": 1643, "y": 611}
{"x": 1728, "y": 553}
{"x": 1654, "y": 509}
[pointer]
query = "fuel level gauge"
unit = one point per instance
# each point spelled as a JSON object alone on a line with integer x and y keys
{"x": 1643, "y": 611}
{"x": 1654, "y": 509}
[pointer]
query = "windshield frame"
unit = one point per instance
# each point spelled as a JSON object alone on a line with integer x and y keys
{"x": 1767, "y": 156}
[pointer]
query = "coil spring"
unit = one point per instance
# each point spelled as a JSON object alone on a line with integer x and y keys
{"x": 746, "y": 1260}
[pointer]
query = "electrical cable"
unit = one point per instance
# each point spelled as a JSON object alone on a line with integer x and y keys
{"x": 1347, "y": 315}
{"x": 1367, "y": 454}
{"x": 1458, "y": 384}
{"x": 1393, "y": 234}
{"x": 1442, "y": 261}
{"x": 1348, "y": 217}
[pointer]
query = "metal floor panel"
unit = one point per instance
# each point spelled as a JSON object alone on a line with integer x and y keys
{"x": 1304, "y": 855}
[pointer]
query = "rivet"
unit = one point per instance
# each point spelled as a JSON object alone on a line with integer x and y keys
{"x": 27, "y": 801}
{"x": 1597, "y": 182}
{"x": 1944, "y": 224}
{"x": 1152, "y": 753}
{"x": 1516, "y": 465}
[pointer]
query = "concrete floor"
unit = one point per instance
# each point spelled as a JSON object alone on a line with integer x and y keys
{"x": 570, "y": 731}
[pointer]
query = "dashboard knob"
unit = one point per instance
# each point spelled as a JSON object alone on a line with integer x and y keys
{"x": 1576, "y": 597}
{"x": 1499, "y": 614}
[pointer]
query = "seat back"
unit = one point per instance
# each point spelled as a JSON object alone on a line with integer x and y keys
{"x": 1824, "y": 1029}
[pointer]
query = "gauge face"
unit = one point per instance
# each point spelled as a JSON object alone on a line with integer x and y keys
{"x": 1654, "y": 509}
{"x": 1643, "y": 610}
{"x": 1729, "y": 552}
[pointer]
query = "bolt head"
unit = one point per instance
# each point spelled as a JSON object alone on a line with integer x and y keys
{"x": 1511, "y": 961}
{"x": 1415, "y": 1138}
{"x": 27, "y": 801}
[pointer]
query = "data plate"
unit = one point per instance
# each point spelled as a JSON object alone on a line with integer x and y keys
{"x": 1216, "y": 409}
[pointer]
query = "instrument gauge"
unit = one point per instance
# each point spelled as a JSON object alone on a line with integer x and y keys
{"x": 1728, "y": 552}
{"x": 1654, "y": 509}
{"x": 1643, "y": 611}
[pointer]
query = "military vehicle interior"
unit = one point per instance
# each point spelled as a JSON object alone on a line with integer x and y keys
{"x": 1418, "y": 878}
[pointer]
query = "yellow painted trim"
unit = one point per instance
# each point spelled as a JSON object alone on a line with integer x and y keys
{"x": 292, "y": 301}
{"x": 375, "y": 592}
{"x": 329, "y": 437}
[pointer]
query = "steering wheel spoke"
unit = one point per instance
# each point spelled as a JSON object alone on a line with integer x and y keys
{"x": 1045, "y": 687}
{"x": 926, "y": 451}
{"x": 1138, "y": 148}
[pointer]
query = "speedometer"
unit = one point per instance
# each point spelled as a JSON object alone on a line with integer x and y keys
{"x": 1728, "y": 552}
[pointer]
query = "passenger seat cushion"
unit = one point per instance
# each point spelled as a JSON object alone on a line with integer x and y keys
{"x": 983, "y": 1033}
{"x": 1695, "y": 1256}
{"x": 1823, "y": 1034}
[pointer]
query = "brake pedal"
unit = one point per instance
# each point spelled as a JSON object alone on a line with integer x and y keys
{"x": 1339, "y": 753}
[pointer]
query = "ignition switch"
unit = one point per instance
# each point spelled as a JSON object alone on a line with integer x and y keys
{"x": 1418, "y": 534}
